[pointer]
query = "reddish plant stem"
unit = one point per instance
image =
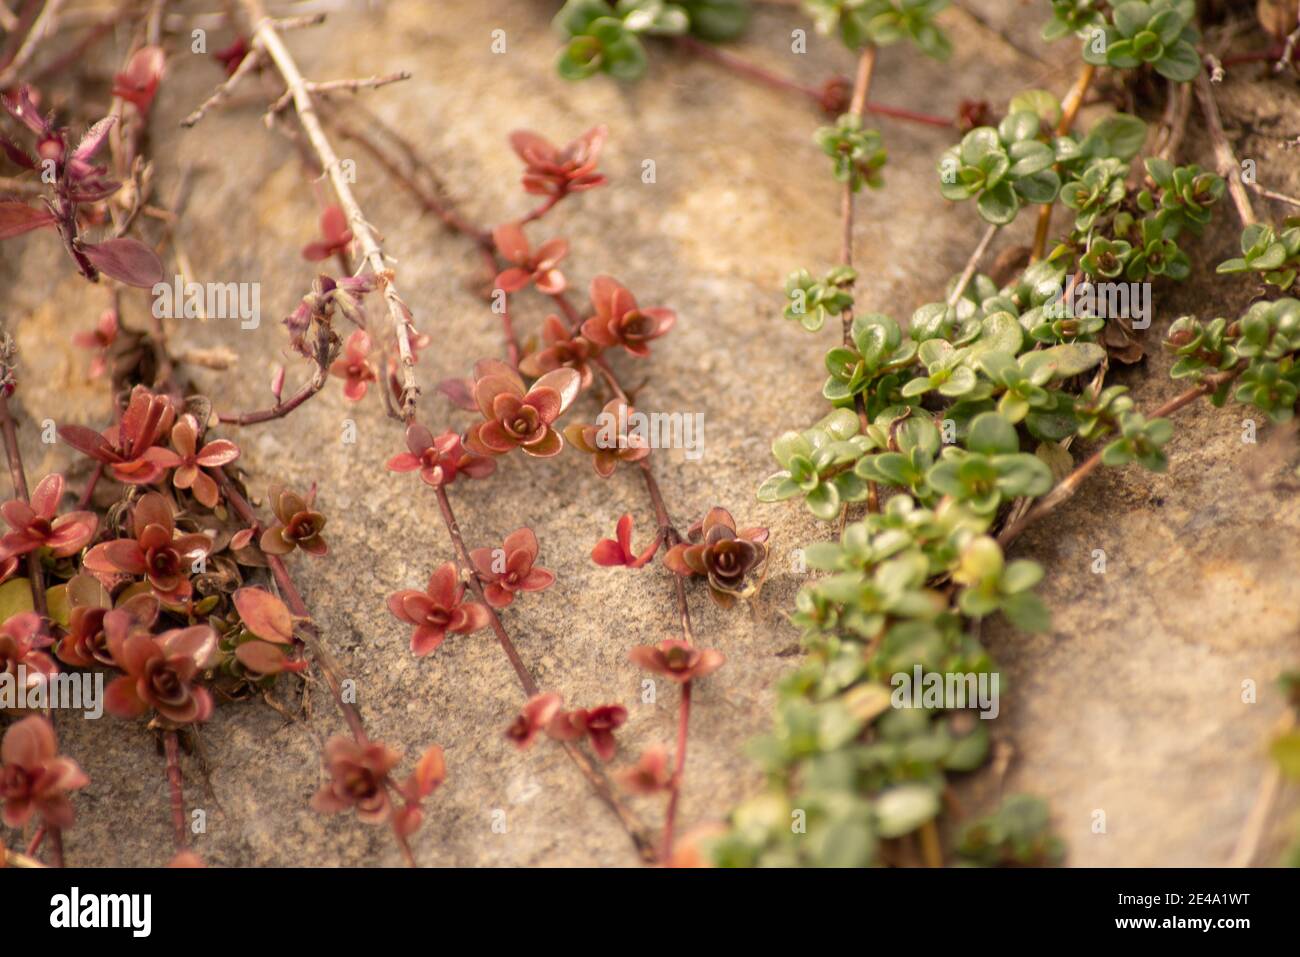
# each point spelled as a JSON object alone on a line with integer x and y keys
{"x": 529, "y": 684}
{"x": 669, "y": 535}
{"x": 95, "y": 475}
{"x": 820, "y": 96}
{"x": 1069, "y": 110}
{"x": 467, "y": 572}
{"x": 325, "y": 660}
{"x": 444, "y": 210}
{"x": 1071, "y": 483}
{"x": 508, "y": 331}
{"x": 35, "y": 573}
{"x": 37, "y": 838}
{"x": 551, "y": 202}
{"x": 175, "y": 785}
{"x": 56, "y": 846}
{"x": 679, "y": 767}
{"x": 266, "y": 35}
{"x": 280, "y": 409}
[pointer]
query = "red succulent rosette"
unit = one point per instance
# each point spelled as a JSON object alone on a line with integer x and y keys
{"x": 155, "y": 551}
{"x": 677, "y": 660}
{"x": 554, "y": 172}
{"x": 516, "y": 416}
{"x": 34, "y": 779}
{"x": 358, "y": 777}
{"x": 528, "y": 265}
{"x": 161, "y": 672}
{"x": 36, "y": 524}
{"x": 510, "y": 569}
{"x": 536, "y": 715}
{"x": 354, "y": 367}
{"x": 619, "y": 321}
{"x": 439, "y": 609}
{"x": 561, "y": 350}
{"x": 298, "y": 524}
{"x": 721, "y": 554}
{"x": 597, "y": 724}
{"x": 439, "y": 459}
{"x": 128, "y": 448}
{"x": 189, "y": 460}
{"x": 608, "y": 441}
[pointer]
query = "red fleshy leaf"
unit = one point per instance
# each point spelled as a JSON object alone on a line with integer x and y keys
{"x": 87, "y": 442}
{"x": 264, "y": 615}
{"x": 262, "y": 658}
{"x": 458, "y": 391}
{"x": 18, "y": 218}
{"x": 608, "y": 552}
{"x": 138, "y": 83}
{"x": 126, "y": 260}
{"x": 428, "y": 774}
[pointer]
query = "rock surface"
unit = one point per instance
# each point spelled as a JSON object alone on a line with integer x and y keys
{"x": 1132, "y": 705}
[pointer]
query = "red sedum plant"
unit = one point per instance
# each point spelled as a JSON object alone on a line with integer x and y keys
{"x": 34, "y": 778}
{"x": 438, "y": 610}
{"x": 619, "y": 321}
{"x": 517, "y": 416}
{"x": 439, "y": 460}
{"x": 510, "y": 569}
{"x": 37, "y": 525}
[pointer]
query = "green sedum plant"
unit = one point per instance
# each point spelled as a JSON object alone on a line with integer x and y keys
{"x": 1159, "y": 34}
{"x": 958, "y": 431}
{"x": 1003, "y": 168}
{"x": 604, "y": 36}
{"x": 882, "y": 22}
{"x": 1276, "y": 256}
{"x": 859, "y": 154}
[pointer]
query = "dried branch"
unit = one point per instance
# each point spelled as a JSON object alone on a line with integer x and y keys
{"x": 247, "y": 65}
{"x": 266, "y": 36}
{"x": 972, "y": 264}
{"x": 43, "y": 25}
{"x": 1229, "y": 168}
{"x": 350, "y": 86}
